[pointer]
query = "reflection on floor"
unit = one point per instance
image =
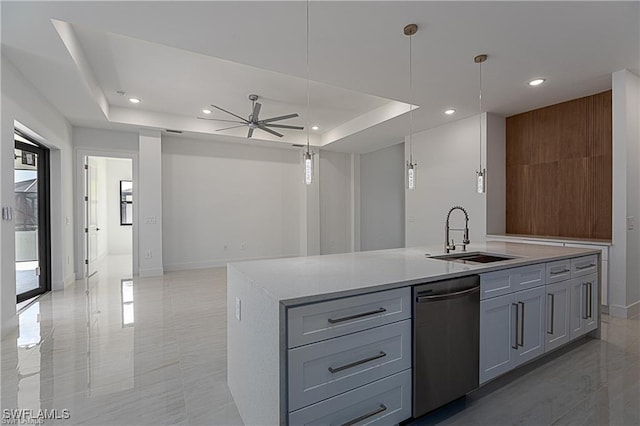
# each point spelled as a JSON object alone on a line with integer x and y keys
{"x": 122, "y": 351}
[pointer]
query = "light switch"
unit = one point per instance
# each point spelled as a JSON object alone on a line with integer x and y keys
{"x": 151, "y": 220}
{"x": 238, "y": 308}
{"x": 631, "y": 223}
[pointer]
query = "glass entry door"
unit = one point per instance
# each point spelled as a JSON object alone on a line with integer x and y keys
{"x": 31, "y": 216}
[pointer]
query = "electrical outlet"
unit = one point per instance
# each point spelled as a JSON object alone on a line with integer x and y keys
{"x": 238, "y": 308}
{"x": 151, "y": 220}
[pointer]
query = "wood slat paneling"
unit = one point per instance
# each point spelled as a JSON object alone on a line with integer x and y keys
{"x": 559, "y": 170}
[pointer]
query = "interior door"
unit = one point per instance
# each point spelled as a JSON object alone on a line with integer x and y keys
{"x": 91, "y": 205}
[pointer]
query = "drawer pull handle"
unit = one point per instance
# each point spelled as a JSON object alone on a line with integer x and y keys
{"x": 334, "y": 370}
{"x": 559, "y": 272}
{"x": 366, "y": 416}
{"x": 591, "y": 265}
{"x": 350, "y": 317}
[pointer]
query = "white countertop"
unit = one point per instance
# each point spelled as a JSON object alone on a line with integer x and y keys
{"x": 299, "y": 280}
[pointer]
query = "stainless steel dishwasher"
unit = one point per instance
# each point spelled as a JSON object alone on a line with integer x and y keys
{"x": 446, "y": 338}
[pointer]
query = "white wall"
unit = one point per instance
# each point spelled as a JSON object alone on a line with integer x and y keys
{"x": 149, "y": 204}
{"x": 225, "y": 202}
{"x": 120, "y": 238}
{"x": 22, "y": 102}
{"x": 382, "y": 214}
{"x": 624, "y": 285}
{"x": 335, "y": 202}
{"x": 447, "y": 158}
{"x": 496, "y": 136}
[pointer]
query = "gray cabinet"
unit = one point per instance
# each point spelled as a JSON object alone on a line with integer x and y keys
{"x": 557, "y": 331}
{"x": 511, "y": 331}
{"x": 584, "y": 305}
{"x": 349, "y": 360}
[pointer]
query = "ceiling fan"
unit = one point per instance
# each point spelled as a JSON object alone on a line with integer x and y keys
{"x": 253, "y": 121}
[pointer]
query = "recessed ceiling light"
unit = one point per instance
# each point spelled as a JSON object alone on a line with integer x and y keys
{"x": 206, "y": 111}
{"x": 315, "y": 127}
{"x": 134, "y": 100}
{"x": 536, "y": 82}
{"x": 450, "y": 111}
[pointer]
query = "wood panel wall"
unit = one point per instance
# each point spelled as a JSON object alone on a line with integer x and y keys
{"x": 559, "y": 170}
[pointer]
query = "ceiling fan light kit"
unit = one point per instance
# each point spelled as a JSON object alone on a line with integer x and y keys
{"x": 253, "y": 122}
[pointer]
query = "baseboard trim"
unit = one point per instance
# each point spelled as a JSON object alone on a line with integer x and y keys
{"x": 204, "y": 264}
{"x": 625, "y": 311}
{"x": 155, "y": 272}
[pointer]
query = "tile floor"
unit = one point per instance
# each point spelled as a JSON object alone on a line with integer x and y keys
{"x": 155, "y": 353}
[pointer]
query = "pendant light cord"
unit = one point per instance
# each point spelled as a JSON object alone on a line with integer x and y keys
{"x": 410, "y": 100}
{"x": 308, "y": 95}
{"x": 480, "y": 115}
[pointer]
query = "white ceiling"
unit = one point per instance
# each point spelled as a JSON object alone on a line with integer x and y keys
{"x": 179, "y": 57}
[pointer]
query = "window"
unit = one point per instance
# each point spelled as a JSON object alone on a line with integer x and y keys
{"x": 126, "y": 202}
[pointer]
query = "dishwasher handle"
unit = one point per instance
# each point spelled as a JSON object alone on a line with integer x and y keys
{"x": 424, "y": 299}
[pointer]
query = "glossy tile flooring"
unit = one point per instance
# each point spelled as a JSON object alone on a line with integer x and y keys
{"x": 120, "y": 351}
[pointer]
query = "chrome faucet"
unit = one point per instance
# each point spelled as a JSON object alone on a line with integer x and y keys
{"x": 448, "y": 246}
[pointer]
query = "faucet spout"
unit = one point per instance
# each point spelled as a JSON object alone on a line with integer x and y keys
{"x": 447, "y": 229}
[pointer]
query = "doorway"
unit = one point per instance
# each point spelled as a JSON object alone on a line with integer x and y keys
{"x": 32, "y": 218}
{"x": 108, "y": 205}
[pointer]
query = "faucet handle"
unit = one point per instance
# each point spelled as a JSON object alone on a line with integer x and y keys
{"x": 452, "y": 246}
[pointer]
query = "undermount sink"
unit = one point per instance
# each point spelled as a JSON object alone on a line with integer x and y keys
{"x": 473, "y": 257}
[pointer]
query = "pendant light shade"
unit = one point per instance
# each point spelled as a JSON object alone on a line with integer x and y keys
{"x": 410, "y": 30}
{"x": 481, "y": 173}
{"x": 307, "y": 160}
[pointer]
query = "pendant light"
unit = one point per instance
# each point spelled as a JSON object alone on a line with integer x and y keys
{"x": 481, "y": 173}
{"x": 307, "y": 156}
{"x": 410, "y": 30}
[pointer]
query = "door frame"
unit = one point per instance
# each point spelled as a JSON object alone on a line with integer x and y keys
{"x": 79, "y": 191}
{"x": 44, "y": 215}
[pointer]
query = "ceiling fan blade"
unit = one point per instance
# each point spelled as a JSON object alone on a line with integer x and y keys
{"x": 250, "y": 132}
{"x": 232, "y": 127}
{"x": 255, "y": 112}
{"x": 220, "y": 119}
{"x": 282, "y": 117}
{"x": 284, "y": 126}
{"x": 229, "y": 112}
{"x": 270, "y": 131}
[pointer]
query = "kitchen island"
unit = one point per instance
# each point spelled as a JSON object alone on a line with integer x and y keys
{"x": 277, "y": 322}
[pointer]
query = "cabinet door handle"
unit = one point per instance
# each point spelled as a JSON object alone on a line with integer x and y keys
{"x": 366, "y": 416}
{"x": 334, "y": 370}
{"x": 585, "y": 300}
{"x": 590, "y": 299}
{"x": 559, "y": 272}
{"x": 553, "y": 308}
{"x": 521, "y": 344}
{"x": 515, "y": 346}
{"x": 350, "y": 317}
{"x": 591, "y": 265}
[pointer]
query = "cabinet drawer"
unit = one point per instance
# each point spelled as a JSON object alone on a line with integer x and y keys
{"x": 584, "y": 265}
{"x": 510, "y": 280}
{"x": 324, "y": 369}
{"x": 321, "y": 321}
{"x": 558, "y": 271}
{"x": 384, "y": 402}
